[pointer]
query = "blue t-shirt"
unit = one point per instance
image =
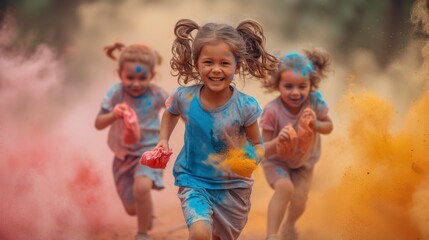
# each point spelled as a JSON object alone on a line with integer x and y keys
{"x": 205, "y": 137}
{"x": 147, "y": 107}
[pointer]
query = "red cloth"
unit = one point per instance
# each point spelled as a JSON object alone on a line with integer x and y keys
{"x": 285, "y": 148}
{"x": 298, "y": 146}
{"x": 305, "y": 133}
{"x": 131, "y": 124}
{"x": 156, "y": 158}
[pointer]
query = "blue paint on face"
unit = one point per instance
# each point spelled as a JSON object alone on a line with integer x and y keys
{"x": 139, "y": 68}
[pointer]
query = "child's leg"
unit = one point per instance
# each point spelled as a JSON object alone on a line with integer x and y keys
{"x": 123, "y": 171}
{"x": 198, "y": 211}
{"x": 283, "y": 191}
{"x": 278, "y": 178}
{"x": 200, "y": 230}
{"x": 302, "y": 181}
{"x": 145, "y": 179}
{"x": 143, "y": 202}
{"x": 231, "y": 208}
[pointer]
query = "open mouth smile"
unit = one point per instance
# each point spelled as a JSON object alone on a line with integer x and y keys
{"x": 216, "y": 79}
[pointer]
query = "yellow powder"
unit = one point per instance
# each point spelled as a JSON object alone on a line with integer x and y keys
{"x": 238, "y": 161}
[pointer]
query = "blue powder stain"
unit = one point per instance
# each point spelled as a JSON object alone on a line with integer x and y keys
{"x": 138, "y": 69}
{"x": 300, "y": 63}
{"x": 249, "y": 149}
{"x": 317, "y": 100}
{"x": 218, "y": 145}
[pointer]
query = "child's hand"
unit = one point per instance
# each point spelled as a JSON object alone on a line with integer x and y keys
{"x": 286, "y": 142}
{"x": 309, "y": 119}
{"x": 285, "y": 133}
{"x": 156, "y": 158}
{"x": 119, "y": 109}
{"x": 162, "y": 144}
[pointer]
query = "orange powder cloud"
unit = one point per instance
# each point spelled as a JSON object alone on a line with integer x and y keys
{"x": 380, "y": 189}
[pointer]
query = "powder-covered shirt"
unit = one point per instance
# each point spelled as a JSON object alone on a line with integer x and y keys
{"x": 276, "y": 116}
{"x": 205, "y": 137}
{"x": 147, "y": 107}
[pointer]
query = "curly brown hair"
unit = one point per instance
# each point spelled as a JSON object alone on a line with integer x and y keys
{"x": 315, "y": 62}
{"x": 246, "y": 42}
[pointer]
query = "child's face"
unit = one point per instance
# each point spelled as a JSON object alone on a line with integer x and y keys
{"x": 294, "y": 89}
{"x": 217, "y": 66}
{"x": 135, "y": 77}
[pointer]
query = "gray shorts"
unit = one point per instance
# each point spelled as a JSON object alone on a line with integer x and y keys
{"x": 275, "y": 170}
{"x": 226, "y": 210}
{"x": 124, "y": 172}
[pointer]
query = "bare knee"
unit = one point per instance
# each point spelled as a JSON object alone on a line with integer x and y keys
{"x": 130, "y": 209}
{"x": 200, "y": 230}
{"x": 142, "y": 187}
{"x": 284, "y": 187}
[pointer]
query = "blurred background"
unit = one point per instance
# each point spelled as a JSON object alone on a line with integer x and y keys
{"x": 372, "y": 181}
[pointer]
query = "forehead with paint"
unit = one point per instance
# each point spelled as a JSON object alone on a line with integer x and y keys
{"x": 137, "y": 68}
{"x": 295, "y": 63}
{"x": 291, "y": 74}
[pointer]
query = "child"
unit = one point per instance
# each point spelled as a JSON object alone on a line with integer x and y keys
{"x": 220, "y": 121}
{"x": 291, "y": 125}
{"x": 135, "y": 97}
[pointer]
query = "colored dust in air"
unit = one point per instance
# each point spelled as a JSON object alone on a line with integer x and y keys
{"x": 239, "y": 162}
{"x": 382, "y": 191}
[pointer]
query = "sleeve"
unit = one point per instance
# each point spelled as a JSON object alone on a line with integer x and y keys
{"x": 319, "y": 105}
{"x": 172, "y": 102}
{"x": 110, "y": 99}
{"x": 268, "y": 119}
{"x": 252, "y": 111}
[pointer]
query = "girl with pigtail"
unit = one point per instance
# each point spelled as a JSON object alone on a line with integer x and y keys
{"x": 131, "y": 109}
{"x": 222, "y": 143}
{"x": 291, "y": 126}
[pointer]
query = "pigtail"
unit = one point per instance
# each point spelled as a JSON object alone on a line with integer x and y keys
{"x": 258, "y": 62}
{"x": 108, "y": 50}
{"x": 181, "y": 64}
{"x": 321, "y": 61}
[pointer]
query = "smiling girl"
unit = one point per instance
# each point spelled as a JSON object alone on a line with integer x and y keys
{"x": 220, "y": 121}
{"x": 291, "y": 125}
{"x": 135, "y": 100}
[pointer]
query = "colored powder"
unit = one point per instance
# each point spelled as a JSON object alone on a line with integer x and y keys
{"x": 138, "y": 69}
{"x": 305, "y": 133}
{"x": 131, "y": 126}
{"x": 156, "y": 158}
{"x": 380, "y": 194}
{"x": 285, "y": 148}
{"x": 239, "y": 162}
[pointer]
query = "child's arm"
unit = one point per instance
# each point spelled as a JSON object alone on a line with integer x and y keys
{"x": 168, "y": 123}
{"x": 104, "y": 119}
{"x": 269, "y": 142}
{"x": 323, "y": 125}
{"x": 254, "y": 136}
